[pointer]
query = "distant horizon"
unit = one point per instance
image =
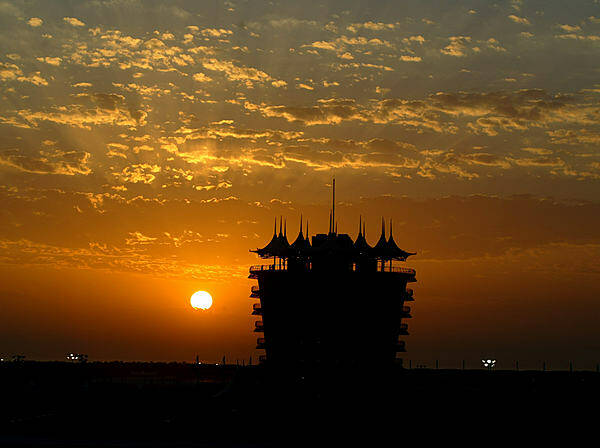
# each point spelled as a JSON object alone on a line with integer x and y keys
{"x": 146, "y": 147}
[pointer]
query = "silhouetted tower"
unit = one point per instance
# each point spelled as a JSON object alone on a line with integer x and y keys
{"x": 333, "y": 302}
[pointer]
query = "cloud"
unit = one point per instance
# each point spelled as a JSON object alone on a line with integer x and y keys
{"x": 73, "y": 21}
{"x": 552, "y": 162}
{"x": 236, "y": 73}
{"x": 574, "y": 137}
{"x": 213, "y": 32}
{"x": 201, "y": 77}
{"x": 519, "y": 20}
{"x": 485, "y": 159}
{"x": 570, "y": 28}
{"x": 326, "y": 112}
{"x": 55, "y": 61}
{"x": 538, "y": 151}
{"x": 68, "y": 163}
{"x": 110, "y": 109}
{"x": 35, "y": 22}
{"x": 139, "y": 173}
{"x": 457, "y": 46}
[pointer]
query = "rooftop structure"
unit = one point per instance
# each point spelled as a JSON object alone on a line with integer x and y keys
{"x": 329, "y": 299}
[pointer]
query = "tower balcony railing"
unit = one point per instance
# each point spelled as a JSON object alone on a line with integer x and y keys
{"x": 408, "y": 295}
{"x": 259, "y": 326}
{"x": 405, "y": 311}
{"x": 276, "y": 267}
{"x": 267, "y": 267}
{"x": 404, "y": 329}
{"x": 400, "y": 346}
{"x": 260, "y": 343}
{"x": 401, "y": 270}
{"x": 257, "y": 309}
{"x": 254, "y": 292}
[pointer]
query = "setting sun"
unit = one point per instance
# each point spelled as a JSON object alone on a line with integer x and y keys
{"x": 201, "y": 300}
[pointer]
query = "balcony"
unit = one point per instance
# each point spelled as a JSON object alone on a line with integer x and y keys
{"x": 260, "y": 343}
{"x": 408, "y": 295}
{"x": 400, "y": 346}
{"x": 256, "y": 269}
{"x": 254, "y": 292}
{"x": 262, "y": 359}
{"x": 403, "y": 329}
{"x": 263, "y": 268}
{"x": 259, "y": 326}
{"x": 405, "y": 312}
{"x": 397, "y": 269}
{"x": 257, "y": 309}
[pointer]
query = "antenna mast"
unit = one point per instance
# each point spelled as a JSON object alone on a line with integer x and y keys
{"x": 333, "y": 207}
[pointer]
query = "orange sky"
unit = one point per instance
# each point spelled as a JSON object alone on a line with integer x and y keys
{"x": 146, "y": 146}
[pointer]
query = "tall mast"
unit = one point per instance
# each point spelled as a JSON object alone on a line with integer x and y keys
{"x": 333, "y": 206}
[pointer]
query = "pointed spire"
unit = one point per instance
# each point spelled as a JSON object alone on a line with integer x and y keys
{"x": 360, "y": 225}
{"x": 307, "y": 234}
{"x": 336, "y": 228}
{"x": 275, "y": 227}
{"x": 330, "y": 221}
{"x": 364, "y": 231}
{"x": 280, "y": 223}
{"x": 380, "y": 249}
{"x": 285, "y": 228}
{"x": 391, "y": 233}
{"x": 299, "y": 243}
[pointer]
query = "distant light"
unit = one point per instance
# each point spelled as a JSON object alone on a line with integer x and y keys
{"x": 489, "y": 363}
{"x": 77, "y": 357}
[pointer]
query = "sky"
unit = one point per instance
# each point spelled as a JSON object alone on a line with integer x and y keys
{"x": 146, "y": 146}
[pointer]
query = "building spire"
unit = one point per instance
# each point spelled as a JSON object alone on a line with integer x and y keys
{"x": 336, "y": 228}
{"x": 359, "y": 225}
{"x": 307, "y": 229}
{"x": 280, "y": 224}
{"x": 382, "y": 227}
{"x": 329, "y": 221}
{"x": 275, "y": 227}
{"x": 285, "y": 228}
{"x": 364, "y": 231}
{"x": 300, "y": 223}
{"x": 391, "y": 233}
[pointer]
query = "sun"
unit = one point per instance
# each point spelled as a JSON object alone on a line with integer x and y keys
{"x": 201, "y": 300}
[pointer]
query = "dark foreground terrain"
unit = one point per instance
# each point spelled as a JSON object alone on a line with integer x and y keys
{"x": 179, "y": 405}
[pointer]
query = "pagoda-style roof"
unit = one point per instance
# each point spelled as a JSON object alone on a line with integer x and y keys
{"x": 301, "y": 243}
{"x": 393, "y": 251}
{"x": 332, "y": 244}
{"x": 278, "y": 246}
{"x": 381, "y": 248}
{"x": 360, "y": 245}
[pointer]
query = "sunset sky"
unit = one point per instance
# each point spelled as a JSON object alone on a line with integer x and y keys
{"x": 146, "y": 146}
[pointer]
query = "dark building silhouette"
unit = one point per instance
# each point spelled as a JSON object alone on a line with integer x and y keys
{"x": 331, "y": 301}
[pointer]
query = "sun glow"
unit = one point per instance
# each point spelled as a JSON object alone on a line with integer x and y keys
{"x": 201, "y": 300}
